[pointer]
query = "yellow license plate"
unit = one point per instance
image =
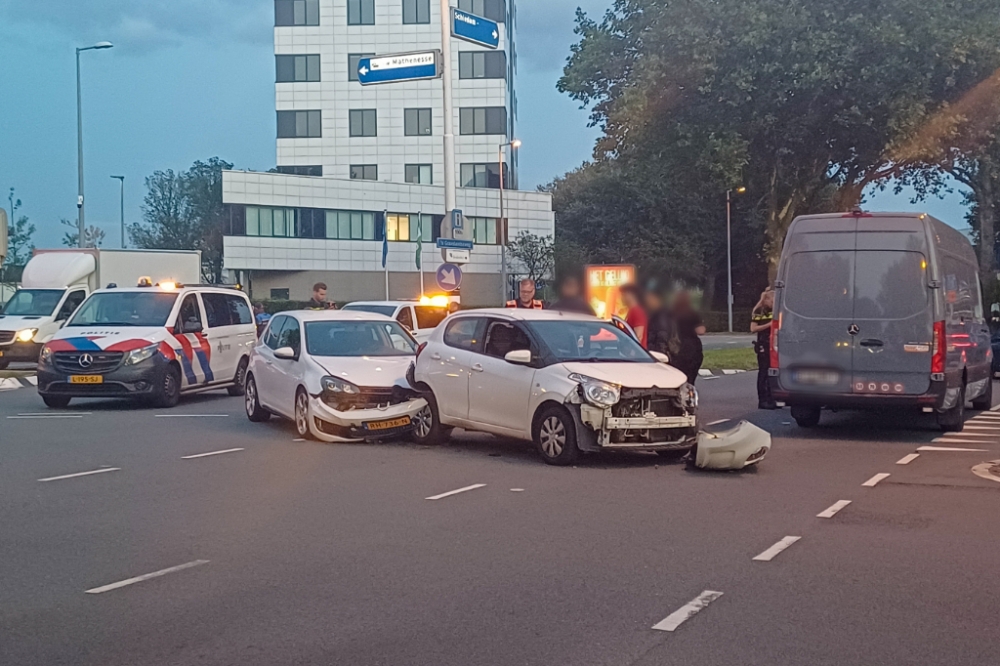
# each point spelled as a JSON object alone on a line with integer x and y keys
{"x": 86, "y": 379}
{"x": 387, "y": 425}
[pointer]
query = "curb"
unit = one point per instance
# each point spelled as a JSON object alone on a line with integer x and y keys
{"x": 13, "y": 383}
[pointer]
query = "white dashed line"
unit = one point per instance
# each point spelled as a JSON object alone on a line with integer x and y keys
{"x": 906, "y": 460}
{"x": 211, "y": 453}
{"x": 139, "y": 579}
{"x": 874, "y": 481}
{"x": 950, "y": 449}
{"x": 719, "y": 421}
{"x": 687, "y": 611}
{"x": 517, "y": 490}
{"x": 455, "y": 492}
{"x": 834, "y": 509}
{"x": 774, "y": 550}
{"x": 79, "y": 474}
{"x": 50, "y": 416}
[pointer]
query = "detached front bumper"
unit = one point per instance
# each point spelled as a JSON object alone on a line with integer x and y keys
{"x": 602, "y": 431}
{"x": 359, "y": 425}
{"x": 136, "y": 381}
{"x": 20, "y": 352}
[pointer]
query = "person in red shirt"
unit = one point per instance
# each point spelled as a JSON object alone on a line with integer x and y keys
{"x": 636, "y": 316}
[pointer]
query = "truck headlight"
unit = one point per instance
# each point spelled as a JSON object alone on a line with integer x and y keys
{"x": 137, "y": 356}
{"x": 598, "y": 393}
{"x": 689, "y": 397}
{"x": 339, "y": 386}
{"x": 26, "y": 335}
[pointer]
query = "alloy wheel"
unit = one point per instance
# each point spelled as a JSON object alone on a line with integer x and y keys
{"x": 302, "y": 414}
{"x": 423, "y": 422}
{"x": 552, "y": 436}
{"x": 250, "y": 397}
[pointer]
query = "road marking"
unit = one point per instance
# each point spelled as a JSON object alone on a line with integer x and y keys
{"x": 78, "y": 474}
{"x": 984, "y": 470}
{"x": 872, "y": 482}
{"x": 834, "y": 509}
{"x": 719, "y": 421}
{"x": 951, "y": 449}
{"x": 517, "y": 490}
{"x": 967, "y": 435}
{"x": 211, "y": 453}
{"x": 455, "y": 492}
{"x": 687, "y": 611}
{"x": 192, "y": 416}
{"x": 906, "y": 460}
{"x": 773, "y": 551}
{"x": 139, "y": 579}
{"x": 49, "y": 416}
{"x": 299, "y": 440}
{"x": 995, "y": 408}
{"x": 987, "y": 428}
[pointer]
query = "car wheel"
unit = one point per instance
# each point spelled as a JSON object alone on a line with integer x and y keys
{"x": 168, "y": 393}
{"x": 953, "y": 420}
{"x": 427, "y": 423}
{"x": 806, "y": 417}
{"x": 555, "y": 437}
{"x": 255, "y": 412}
{"x": 985, "y": 401}
{"x": 302, "y": 414}
{"x": 56, "y": 401}
{"x": 239, "y": 382}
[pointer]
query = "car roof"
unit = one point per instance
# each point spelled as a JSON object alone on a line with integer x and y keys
{"x": 179, "y": 290}
{"x": 528, "y": 315}
{"x": 334, "y": 315}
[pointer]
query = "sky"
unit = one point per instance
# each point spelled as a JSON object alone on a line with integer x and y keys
{"x": 193, "y": 79}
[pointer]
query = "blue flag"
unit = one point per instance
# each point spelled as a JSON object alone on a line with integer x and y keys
{"x": 385, "y": 239}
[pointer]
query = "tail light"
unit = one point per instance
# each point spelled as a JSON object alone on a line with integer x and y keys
{"x": 420, "y": 348}
{"x": 775, "y": 327}
{"x": 939, "y": 346}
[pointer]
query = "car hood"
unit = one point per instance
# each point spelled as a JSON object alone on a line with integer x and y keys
{"x": 631, "y": 375}
{"x": 109, "y": 338}
{"x": 372, "y": 371}
{"x": 19, "y": 322}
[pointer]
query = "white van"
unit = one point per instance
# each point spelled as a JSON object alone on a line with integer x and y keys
{"x": 417, "y": 317}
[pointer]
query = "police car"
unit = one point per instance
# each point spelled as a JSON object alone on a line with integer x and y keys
{"x": 152, "y": 342}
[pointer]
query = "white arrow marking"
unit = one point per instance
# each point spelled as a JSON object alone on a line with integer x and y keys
{"x": 495, "y": 35}
{"x": 448, "y": 277}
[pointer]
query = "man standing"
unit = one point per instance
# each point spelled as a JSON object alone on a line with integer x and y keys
{"x": 526, "y": 297}
{"x": 760, "y": 323}
{"x": 571, "y": 298}
{"x": 318, "y": 301}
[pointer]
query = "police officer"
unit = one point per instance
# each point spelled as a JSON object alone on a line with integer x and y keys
{"x": 760, "y": 323}
{"x": 526, "y": 297}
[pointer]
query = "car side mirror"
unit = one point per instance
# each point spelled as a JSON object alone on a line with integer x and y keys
{"x": 192, "y": 327}
{"x": 662, "y": 358}
{"x": 518, "y": 357}
{"x": 286, "y": 353}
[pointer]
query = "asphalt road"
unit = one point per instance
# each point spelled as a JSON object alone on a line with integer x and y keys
{"x": 727, "y": 340}
{"x": 296, "y": 552}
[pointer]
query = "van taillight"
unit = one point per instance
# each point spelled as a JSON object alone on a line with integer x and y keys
{"x": 775, "y": 327}
{"x": 420, "y": 348}
{"x": 939, "y": 345}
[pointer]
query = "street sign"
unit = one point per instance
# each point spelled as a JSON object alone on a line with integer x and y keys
{"x": 452, "y": 244}
{"x": 449, "y": 277}
{"x": 457, "y": 256}
{"x": 399, "y": 67}
{"x": 457, "y": 220}
{"x": 475, "y": 29}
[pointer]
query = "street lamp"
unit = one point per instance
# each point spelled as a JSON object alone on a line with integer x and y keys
{"x": 729, "y": 250}
{"x": 122, "y": 180}
{"x": 502, "y": 232}
{"x": 79, "y": 135}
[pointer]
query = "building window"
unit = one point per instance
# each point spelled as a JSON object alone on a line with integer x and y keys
{"x": 301, "y": 170}
{"x": 404, "y": 227}
{"x": 494, "y": 10}
{"x": 416, "y": 11}
{"x": 272, "y": 222}
{"x": 350, "y": 225}
{"x": 300, "y": 124}
{"x": 397, "y": 227}
{"x": 417, "y": 122}
{"x": 296, "y": 68}
{"x": 296, "y": 12}
{"x": 363, "y": 122}
{"x": 360, "y": 12}
{"x": 484, "y": 230}
{"x": 482, "y": 175}
{"x": 482, "y": 65}
{"x": 352, "y": 64}
{"x": 279, "y": 295}
{"x": 419, "y": 174}
{"x": 483, "y": 120}
{"x": 364, "y": 172}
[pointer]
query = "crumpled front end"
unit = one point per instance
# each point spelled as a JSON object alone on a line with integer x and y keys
{"x": 642, "y": 420}
{"x": 371, "y": 414}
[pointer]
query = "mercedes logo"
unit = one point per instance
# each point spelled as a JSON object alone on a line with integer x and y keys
{"x": 86, "y": 360}
{"x": 853, "y": 329}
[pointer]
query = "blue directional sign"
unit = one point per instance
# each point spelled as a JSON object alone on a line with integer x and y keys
{"x": 399, "y": 67}
{"x": 475, "y": 29}
{"x": 449, "y": 277}
{"x": 452, "y": 244}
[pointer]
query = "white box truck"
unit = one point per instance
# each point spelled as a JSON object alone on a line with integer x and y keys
{"x": 56, "y": 282}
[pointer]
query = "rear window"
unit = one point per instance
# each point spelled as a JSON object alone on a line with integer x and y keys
{"x": 429, "y": 316}
{"x": 889, "y": 284}
{"x": 818, "y": 284}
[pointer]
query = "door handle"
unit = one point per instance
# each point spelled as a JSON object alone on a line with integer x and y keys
{"x": 436, "y": 356}
{"x": 477, "y": 367}
{"x": 871, "y": 342}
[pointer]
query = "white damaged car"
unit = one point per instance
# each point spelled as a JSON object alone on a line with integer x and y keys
{"x": 340, "y": 376}
{"x": 569, "y": 383}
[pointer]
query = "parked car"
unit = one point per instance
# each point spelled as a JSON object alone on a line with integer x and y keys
{"x": 569, "y": 383}
{"x": 879, "y": 309}
{"x": 339, "y": 376}
{"x": 419, "y": 318}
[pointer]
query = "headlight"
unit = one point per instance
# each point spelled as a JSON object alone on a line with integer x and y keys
{"x": 45, "y": 357}
{"x": 26, "y": 335}
{"x": 137, "y": 356}
{"x": 689, "y": 397}
{"x": 339, "y": 386}
{"x": 601, "y": 394}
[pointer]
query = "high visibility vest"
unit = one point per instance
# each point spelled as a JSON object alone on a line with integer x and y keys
{"x": 535, "y": 305}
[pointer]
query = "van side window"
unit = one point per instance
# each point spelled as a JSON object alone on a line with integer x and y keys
{"x": 190, "y": 312}
{"x": 959, "y": 281}
{"x": 405, "y": 318}
{"x": 216, "y": 311}
{"x": 239, "y": 309}
{"x": 72, "y": 303}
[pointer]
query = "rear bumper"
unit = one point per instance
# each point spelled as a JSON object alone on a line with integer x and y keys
{"x": 124, "y": 382}
{"x": 20, "y": 352}
{"x": 934, "y": 397}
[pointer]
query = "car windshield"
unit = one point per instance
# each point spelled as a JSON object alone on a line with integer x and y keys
{"x": 127, "y": 308}
{"x": 387, "y": 310}
{"x": 589, "y": 341}
{"x": 358, "y": 338}
{"x": 33, "y": 302}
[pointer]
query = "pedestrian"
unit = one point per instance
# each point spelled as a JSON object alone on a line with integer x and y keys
{"x": 662, "y": 335}
{"x": 318, "y": 300}
{"x": 690, "y": 354}
{"x": 260, "y": 317}
{"x": 453, "y": 307}
{"x": 571, "y": 297}
{"x": 526, "y": 297}
{"x": 760, "y": 323}
{"x": 636, "y": 316}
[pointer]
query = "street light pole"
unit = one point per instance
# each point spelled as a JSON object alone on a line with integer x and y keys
{"x": 502, "y": 232}
{"x": 122, "y": 180}
{"x": 79, "y": 138}
{"x": 729, "y": 251}
{"x": 449, "y": 116}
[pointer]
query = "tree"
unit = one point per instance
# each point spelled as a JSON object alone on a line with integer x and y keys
{"x": 19, "y": 248}
{"x": 535, "y": 253}
{"x": 93, "y": 237}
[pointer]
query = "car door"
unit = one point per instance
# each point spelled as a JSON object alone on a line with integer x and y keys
{"x": 449, "y": 366}
{"x": 187, "y": 332}
{"x": 220, "y": 334}
{"x": 288, "y": 371}
{"x": 265, "y": 371}
{"x": 500, "y": 392}
{"x": 244, "y": 332}
{"x": 405, "y": 317}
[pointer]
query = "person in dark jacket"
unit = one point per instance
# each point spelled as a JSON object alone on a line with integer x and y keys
{"x": 690, "y": 328}
{"x": 571, "y": 298}
{"x": 662, "y": 336}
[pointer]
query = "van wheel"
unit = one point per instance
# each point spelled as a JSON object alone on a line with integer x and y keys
{"x": 953, "y": 420}
{"x": 985, "y": 401}
{"x": 554, "y": 434}
{"x": 238, "y": 388}
{"x": 56, "y": 401}
{"x": 168, "y": 393}
{"x": 806, "y": 417}
{"x": 255, "y": 412}
{"x": 427, "y": 423}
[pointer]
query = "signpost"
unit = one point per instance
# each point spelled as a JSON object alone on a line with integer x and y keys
{"x": 449, "y": 277}
{"x": 416, "y": 66}
{"x": 457, "y": 256}
{"x": 453, "y": 244}
{"x": 475, "y": 29}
